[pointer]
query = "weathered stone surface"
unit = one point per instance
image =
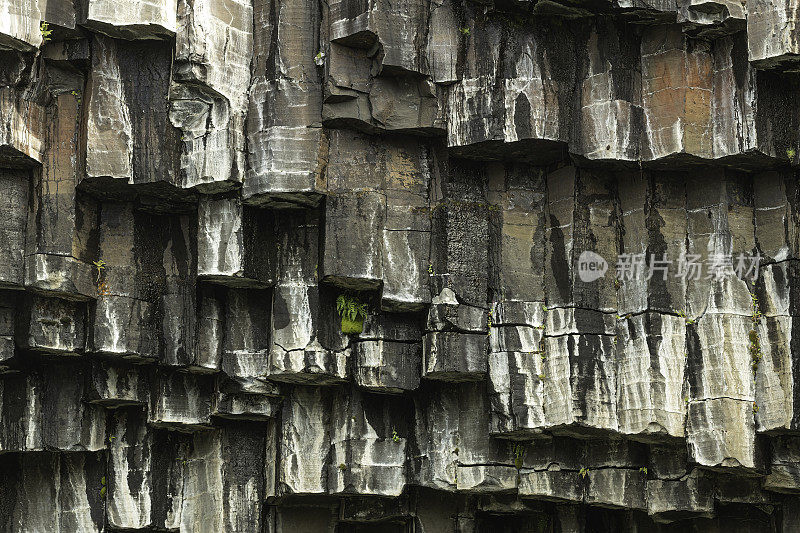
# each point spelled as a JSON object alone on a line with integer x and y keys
{"x": 58, "y": 491}
{"x": 122, "y": 147}
{"x": 187, "y": 188}
{"x": 180, "y": 401}
{"x": 20, "y": 26}
{"x": 305, "y": 441}
{"x": 213, "y": 51}
{"x": 369, "y": 435}
{"x": 51, "y": 325}
{"x": 287, "y": 149}
{"x": 651, "y": 362}
{"x": 12, "y": 236}
{"x": 246, "y": 347}
{"x": 140, "y": 19}
{"x": 454, "y": 356}
{"x": 231, "y": 242}
{"x": 22, "y": 141}
{"x": 115, "y": 385}
{"x": 771, "y": 35}
{"x": 387, "y": 366}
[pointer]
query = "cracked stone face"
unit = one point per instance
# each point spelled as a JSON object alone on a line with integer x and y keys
{"x": 362, "y": 266}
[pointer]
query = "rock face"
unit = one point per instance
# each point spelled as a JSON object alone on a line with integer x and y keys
{"x": 362, "y": 266}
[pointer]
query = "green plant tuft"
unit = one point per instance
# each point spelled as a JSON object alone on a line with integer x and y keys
{"x": 519, "y": 455}
{"x": 44, "y": 29}
{"x": 352, "y": 312}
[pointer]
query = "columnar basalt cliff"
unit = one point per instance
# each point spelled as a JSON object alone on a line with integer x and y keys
{"x": 202, "y": 200}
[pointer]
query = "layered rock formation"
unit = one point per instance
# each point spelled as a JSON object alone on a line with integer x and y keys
{"x": 192, "y": 193}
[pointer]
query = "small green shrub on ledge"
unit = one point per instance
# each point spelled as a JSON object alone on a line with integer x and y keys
{"x": 353, "y": 313}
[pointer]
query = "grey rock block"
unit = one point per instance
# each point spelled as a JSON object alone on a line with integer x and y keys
{"x": 580, "y": 219}
{"x": 23, "y": 139}
{"x": 12, "y": 236}
{"x": 230, "y": 403}
{"x": 143, "y": 19}
{"x": 305, "y": 441}
{"x": 307, "y": 343}
{"x": 454, "y": 356}
{"x": 224, "y": 478}
{"x": 447, "y": 314}
{"x": 114, "y": 385}
{"x": 287, "y": 151}
{"x": 651, "y": 361}
{"x": 232, "y": 244}
{"x": 51, "y": 325}
{"x": 690, "y": 496}
{"x": 180, "y": 401}
{"x": 461, "y": 236}
{"x": 20, "y": 27}
{"x": 387, "y": 366}
{"x": 246, "y": 346}
{"x": 353, "y": 257}
{"x": 129, "y": 480}
{"x": 783, "y": 474}
{"x": 213, "y": 53}
{"x": 770, "y": 35}
{"x": 369, "y": 435}
{"x": 516, "y": 393}
{"x": 8, "y": 311}
{"x": 58, "y": 491}
{"x": 579, "y": 384}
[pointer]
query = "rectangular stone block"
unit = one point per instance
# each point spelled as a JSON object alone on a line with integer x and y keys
{"x": 653, "y": 220}
{"x": 20, "y": 27}
{"x": 307, "y": 343}
{"x": 224, "y": 481}
{"x": 113, "y": 384}
{"x": 8, "y": 312}
{"x": 62, "y": 224}
{"x": 14, "y": 212}
{"x": 387, "y": 366}
{"x": 516, "y": 393}
{"x": 720, "y": 433}
{"x": 651, "y": 357}
{"x": 774, "y": 371}
{"x": 784, "y": 475}
{"x": 454, "y": 356}
{"x": 305, "y": 441}
{"x": 129, "y": 482}
{"x": 235, "y": 243}
{"x": 353, "y": 256}
{"x": 460, "y": 246}
{"x": 246, "y": 346}
{"x": 369, "y": 434}
{"x": 579, "y": 382}
{"x": 517, "y": 259}
{"x": 22, "y": 141}
{"x": 67, "y": 422}
{"x": 51, "y": 325}
{"x": 771, "y": 34}
{"x": 180, "y": 401}
{"x": 669, "y": 500}
{"x": 139, "y": 19}
{"x": 580, "y": 221}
